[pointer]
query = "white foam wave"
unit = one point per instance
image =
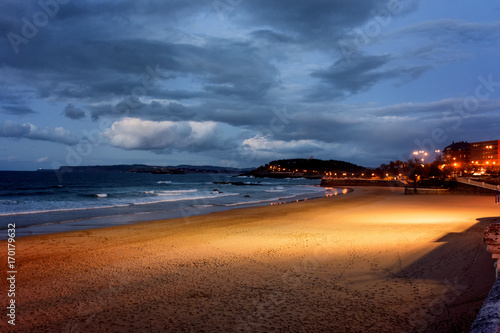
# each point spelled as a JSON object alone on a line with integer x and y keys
{"x": 264, "y": 200}
{"x": 175, "y": 192}
{"x": 202, "y": 206}
{"x": 200, "y": 197}
{"x": 276, "y": 189}
{"x": 61, "y": 210}
{"x": 9, "y": 202}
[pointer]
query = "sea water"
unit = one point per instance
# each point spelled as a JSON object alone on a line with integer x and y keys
{"x": 40, "y": 202}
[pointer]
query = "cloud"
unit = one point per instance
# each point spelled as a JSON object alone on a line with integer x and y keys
{"x": 137, "y": 134}
{"x": 441, "y": 42}
{"x": 265, "y": 143}
{"x": 42, "y": 159}
{"x": 263, "y": 148}
{"x": 10, "y": 129}
{"x": 134, "y": 107}
{"x": 369, "y": 135}
{"x": 362, "y": 72}
{"x": 120, "y": 68}
{"x": 272, "y": 36}
{"x": 437, "y": 109}
{"x": 359, "y": 133}
{"x": 195, "y": 64}
{"x": 172, "y": 77}
{"x": 450, "y": 31}
{"x": 73, "y": 113}
{"x": 311, "y": 22}
{"x": 16, "y": 110}
{"x": 116, "y": 53}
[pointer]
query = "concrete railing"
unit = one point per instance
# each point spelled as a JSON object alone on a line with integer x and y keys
{"x": 488, "y": 318}
{"x": 478, "y": 184}
{"x": 421, "y": 190}
{"x": 341, "y": 182}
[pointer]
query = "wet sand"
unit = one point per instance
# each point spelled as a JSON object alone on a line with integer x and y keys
{"x": 373, "y": 260}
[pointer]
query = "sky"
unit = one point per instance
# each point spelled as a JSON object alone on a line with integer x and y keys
{"x": 239, "y": 83}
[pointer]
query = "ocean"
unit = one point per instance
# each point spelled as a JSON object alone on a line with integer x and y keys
{"x": 40, "y": 203}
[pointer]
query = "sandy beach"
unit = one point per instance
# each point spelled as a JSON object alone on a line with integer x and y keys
{"x": 373, "y": 260}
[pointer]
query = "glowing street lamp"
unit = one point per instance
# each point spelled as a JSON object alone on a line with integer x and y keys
{"x": 422, "y": 153}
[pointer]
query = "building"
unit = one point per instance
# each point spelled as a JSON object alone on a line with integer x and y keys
{"x": 485, "y": 153}
{"x": 457, "y": 154}
{"x": 473, "y": 158}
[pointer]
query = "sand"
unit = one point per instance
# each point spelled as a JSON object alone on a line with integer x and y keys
{"x": 373, "y": 260}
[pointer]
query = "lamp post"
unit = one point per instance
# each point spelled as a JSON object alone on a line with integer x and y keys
{"x": 421, "y": 155}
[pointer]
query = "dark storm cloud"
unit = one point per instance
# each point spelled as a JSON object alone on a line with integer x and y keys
{"x": 368, "y": 130}
{"x": 309, "y": 21}
{"x": 133, "y": 107}
{"x": 443, "y": 41}
{"x": 174, "y": 9}
{"x": 438, "y": 109}
{"x": 16, "y": 110}
{"x": 403, "y": 121}
{"x": 115, "y": 66}
{"x": 225, "y": 68}
{"x": 97, "y": 37}
{"x": 10, "y": 129}
{"x": 452, "y": 32}
{"x": 473, "y": 128}
{"x": 324, "y": 127}
{"x": 114, "y": 62}
{"x": 272, "y": 36}
{"x": 73, "y": 113}
{"x": 110, "y": 13}
{"x": 181, "y": 75}
{"x": 369, "y": 134}
{"x": 233, "y": 113}
{"x": 362, "y": 72}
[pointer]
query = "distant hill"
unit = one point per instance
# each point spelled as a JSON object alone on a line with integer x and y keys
{"x": 142, "y": 168}
{"x": 301, "y": 167}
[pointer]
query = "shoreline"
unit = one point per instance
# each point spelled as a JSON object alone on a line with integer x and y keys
{"x": 375, "y": 260}
{"x": 92, "y": 196}
{"x": 143, "y": 216}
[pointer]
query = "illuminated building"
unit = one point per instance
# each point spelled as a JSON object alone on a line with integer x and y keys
{"x": 457, "y": 154}
{"x": 474, "y": 156}
{"x": 485, "y": 153}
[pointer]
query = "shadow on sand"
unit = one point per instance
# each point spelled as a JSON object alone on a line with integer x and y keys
{"x": 460, "y": 288}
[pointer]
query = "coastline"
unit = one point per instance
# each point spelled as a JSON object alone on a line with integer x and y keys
{"x": 131, "y": 214}
{"x": 374, "y": 260}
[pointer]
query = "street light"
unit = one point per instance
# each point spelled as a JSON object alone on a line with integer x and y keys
{"x": 422, "y": 153}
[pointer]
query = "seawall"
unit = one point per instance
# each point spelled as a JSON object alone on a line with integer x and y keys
{"x": 338, "y": 182}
